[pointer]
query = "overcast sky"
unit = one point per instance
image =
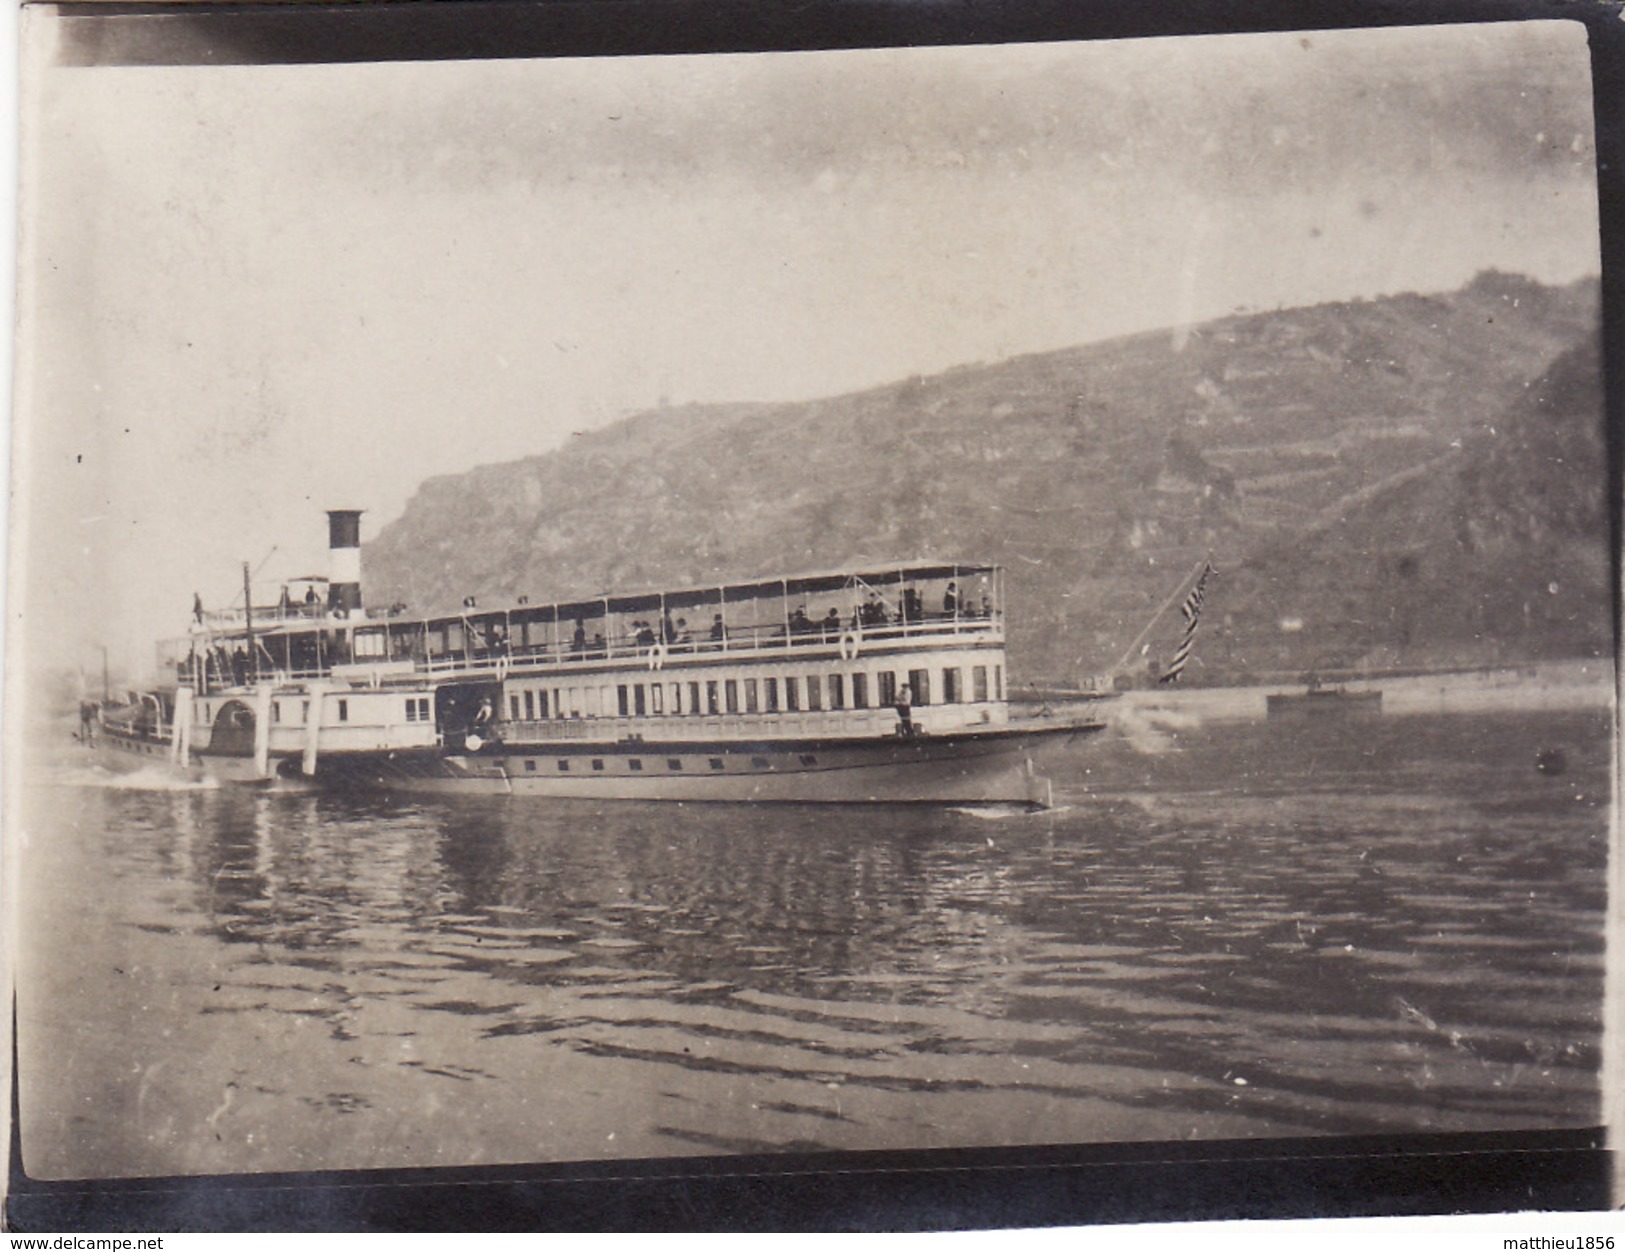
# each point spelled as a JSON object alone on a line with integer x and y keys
{"x": 251, "y": 293}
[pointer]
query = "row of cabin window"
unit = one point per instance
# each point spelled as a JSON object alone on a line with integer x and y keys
{"x": 675, "y": 764}
{"x": 812, "y": 693}
{"x": 416, "y": 710}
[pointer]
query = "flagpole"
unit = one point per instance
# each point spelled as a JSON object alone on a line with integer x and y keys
{"x": 248, "y": 621}
{"x": 1184, "y": 586}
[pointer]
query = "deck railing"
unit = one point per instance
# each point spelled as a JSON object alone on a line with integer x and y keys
{"x": 736, "y": 641}
{"x": 510, "y": 654}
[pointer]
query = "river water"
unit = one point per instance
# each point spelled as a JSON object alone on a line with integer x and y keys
{"x": 1223, "y": 931}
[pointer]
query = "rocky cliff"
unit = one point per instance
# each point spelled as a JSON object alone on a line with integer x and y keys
{"x": 1410, "y": 481}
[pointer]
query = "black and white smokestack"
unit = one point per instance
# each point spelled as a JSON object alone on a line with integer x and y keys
{"x": 344, "y": 560}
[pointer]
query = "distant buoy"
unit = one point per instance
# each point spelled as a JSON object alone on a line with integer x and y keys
{"x": 1551, "y": 762}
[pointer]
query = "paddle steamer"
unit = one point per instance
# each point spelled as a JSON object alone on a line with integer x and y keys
{"x": 258, "y": 694}
{"x": 878, "y": 683}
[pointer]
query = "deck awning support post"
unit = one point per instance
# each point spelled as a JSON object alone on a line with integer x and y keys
{"x": 262, "y": 729}
{"x": 180, "y": 737}
{"x": 313, "y": 727}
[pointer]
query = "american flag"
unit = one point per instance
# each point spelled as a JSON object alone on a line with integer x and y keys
{"x": 1191, "y": 610}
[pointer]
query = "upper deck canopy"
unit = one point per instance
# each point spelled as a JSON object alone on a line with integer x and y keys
{"x": 818, "y": 582}
{"x": 804, "y": 584}
{"x": 906, "y": 599}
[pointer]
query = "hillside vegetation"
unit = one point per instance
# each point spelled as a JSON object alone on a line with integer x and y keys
{"x": 1406, "y": 482}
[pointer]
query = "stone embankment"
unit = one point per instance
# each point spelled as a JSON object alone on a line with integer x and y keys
{"x": 1556, "y": 686}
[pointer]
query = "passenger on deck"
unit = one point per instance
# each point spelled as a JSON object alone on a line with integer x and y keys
{"x": 905, "y": 714}
{"x": 482, "y": 725}
{"x": 668, "y": 632}
{"x": 950, "y": 601}
{"x": 719, "y": 632}
{"x": 800, "y": 623}
{"x": 913, "y": 609}
{"x": 313, "y": 602}
{"x": 832, "y": 624}
{"x": 578, "y": 643}
{"x": 197, "y": 608}
{"x": 684, "y": 640}
{"x": 598, "y": 648}
{"x": 646, "y": 635}
{"x": 284, "y": 606}
{"x": 987, "y": 608}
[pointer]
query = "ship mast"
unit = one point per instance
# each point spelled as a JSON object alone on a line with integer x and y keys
{"x": 248, "y": 623}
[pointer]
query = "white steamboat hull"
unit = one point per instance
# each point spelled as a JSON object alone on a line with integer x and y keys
{"x": 124, "y": 752}
{"x": 987, "y": 767}
{"x": 129, "y": 752}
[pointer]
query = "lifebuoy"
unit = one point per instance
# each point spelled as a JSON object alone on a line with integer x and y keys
{"x": 502, "y": 668}
{"x": 473, "y": 743}
{"x": 851, "y": 641}
{"x": 657, "y": 656}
